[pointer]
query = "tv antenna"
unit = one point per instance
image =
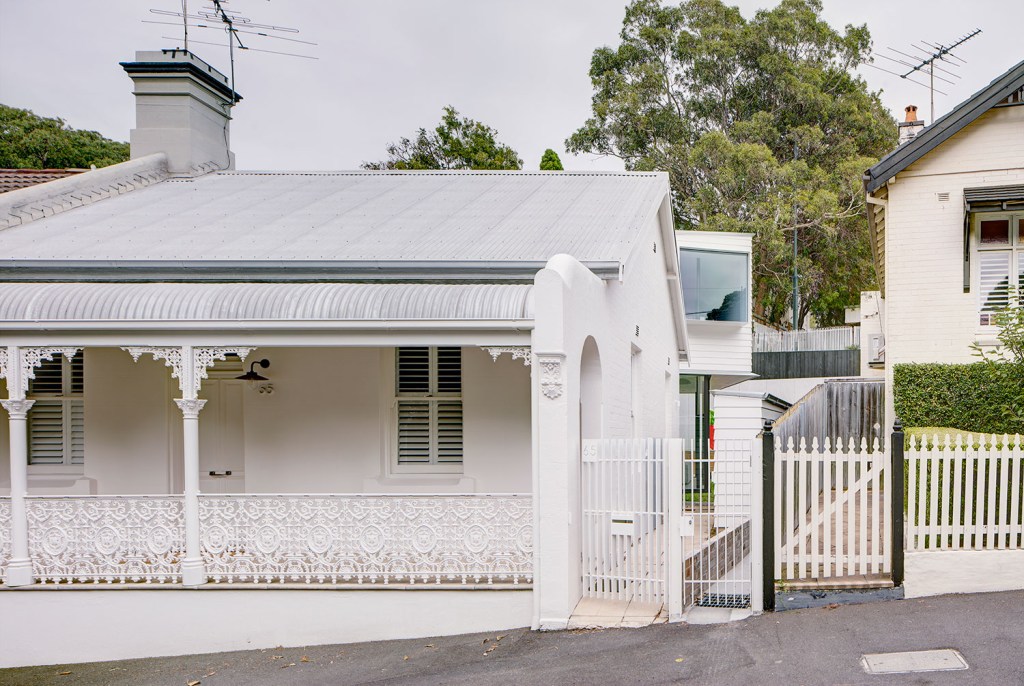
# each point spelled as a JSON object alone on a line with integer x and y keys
{"x": 218, "y": 17}
{"x": 928, "y": 59}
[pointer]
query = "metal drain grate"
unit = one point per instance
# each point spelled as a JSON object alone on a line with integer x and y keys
{"x": 730, "y": 600}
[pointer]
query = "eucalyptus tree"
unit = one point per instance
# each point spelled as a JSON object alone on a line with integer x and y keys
{"x": 763, "y": 126}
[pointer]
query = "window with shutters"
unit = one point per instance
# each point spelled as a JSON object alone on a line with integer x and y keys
{"x": 428, "y": 408}
{"x": 56, "y": 422}
{"x": 1000, "y": 244}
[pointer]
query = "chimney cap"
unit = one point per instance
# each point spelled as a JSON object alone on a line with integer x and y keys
{"x": 911, "y": 111}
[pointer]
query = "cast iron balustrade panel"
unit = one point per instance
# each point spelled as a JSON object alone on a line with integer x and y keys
{"x": 5, "y": 535}
{"x": 368, "y": 539}
{"x": 106, "y": 539}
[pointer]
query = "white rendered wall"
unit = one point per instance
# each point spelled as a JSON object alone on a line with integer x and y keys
{"x": 571, "y": 305}
{"x": 936, "y": 572}
{"x": 324, "y": 429}
{"x": 100, "y": 625}
{"x": 928, "y": 316}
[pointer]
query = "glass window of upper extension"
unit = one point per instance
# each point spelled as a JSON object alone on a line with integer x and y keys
{"x": 715, "y": 285}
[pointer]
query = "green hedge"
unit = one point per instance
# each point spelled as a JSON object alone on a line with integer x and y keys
{"x": 968, "y": 396}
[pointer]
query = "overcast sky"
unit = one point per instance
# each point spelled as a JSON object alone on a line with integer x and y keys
{"x": 387, "y": 67}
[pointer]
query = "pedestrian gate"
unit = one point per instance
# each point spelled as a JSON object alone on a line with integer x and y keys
{"x": 667, "y": 521}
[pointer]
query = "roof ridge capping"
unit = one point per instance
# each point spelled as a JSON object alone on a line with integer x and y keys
{"x": 438, "y": 172}
{"x": 52, "y": 197}
{"x": 945, "y": 127}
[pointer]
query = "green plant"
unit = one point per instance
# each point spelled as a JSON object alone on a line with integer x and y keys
{"x": 971, "y": 397}
{"x": 1007, "y": 359}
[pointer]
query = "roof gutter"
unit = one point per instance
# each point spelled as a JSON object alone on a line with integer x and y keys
{"x": 226, "y": 271}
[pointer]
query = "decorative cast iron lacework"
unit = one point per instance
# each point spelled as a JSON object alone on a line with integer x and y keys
{"x": 368, "y": 539}
{"x": 5, "y": 536}
{"x": 122, "y": 539}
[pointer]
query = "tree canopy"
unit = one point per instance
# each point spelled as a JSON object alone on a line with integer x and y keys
{"x": 550, "y": 161}
{"x": 28, "y": 141}
{"x": 456, "y": 143}
{"x": 762, "y": 126}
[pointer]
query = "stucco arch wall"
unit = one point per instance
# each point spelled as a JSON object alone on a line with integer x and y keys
{"x": 572, "y": 306}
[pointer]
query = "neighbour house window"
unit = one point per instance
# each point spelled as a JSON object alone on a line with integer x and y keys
{"x": 715, "y": 285}
{"x": 56, "y": 422}
{"x": 428, "y": 401}
{"x": 1000, "y": 261}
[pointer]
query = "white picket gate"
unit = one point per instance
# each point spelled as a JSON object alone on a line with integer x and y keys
{"x": 832, "y": 511}
{"x": 964, "y": 493}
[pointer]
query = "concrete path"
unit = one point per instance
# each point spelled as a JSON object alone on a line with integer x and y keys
{"x": 815, "y": 646}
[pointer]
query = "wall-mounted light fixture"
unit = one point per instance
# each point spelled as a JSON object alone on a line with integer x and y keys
{"x": 252, "y": 378}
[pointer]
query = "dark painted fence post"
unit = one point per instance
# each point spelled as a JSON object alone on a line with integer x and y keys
{"x": 898, "y": 490}
{"x": 768, "y": 515}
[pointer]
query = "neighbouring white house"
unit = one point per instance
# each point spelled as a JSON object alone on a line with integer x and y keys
{"x": 250, "y": 409}
{"x": 946, "y": 212}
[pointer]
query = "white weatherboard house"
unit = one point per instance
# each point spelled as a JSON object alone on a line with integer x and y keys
{"x": 250, "y": 409}
{"x": 946, "y": 209}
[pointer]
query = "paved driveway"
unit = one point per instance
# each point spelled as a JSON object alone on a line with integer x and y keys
{"x": 817, "y": 646}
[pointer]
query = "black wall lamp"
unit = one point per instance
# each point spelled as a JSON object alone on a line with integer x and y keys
{"x": 252, "y": 377}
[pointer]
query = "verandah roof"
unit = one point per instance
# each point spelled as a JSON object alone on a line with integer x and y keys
{"x": 97, "y": 302}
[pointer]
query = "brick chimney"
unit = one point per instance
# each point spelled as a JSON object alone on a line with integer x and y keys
{"x": 911, "y": 125}
{"x": 183, "y": 109}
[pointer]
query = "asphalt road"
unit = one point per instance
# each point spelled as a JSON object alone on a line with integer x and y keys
{"x": 816, "y": 646}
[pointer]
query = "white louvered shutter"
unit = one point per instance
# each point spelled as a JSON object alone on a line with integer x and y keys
{"x": 56, "y": 422}
{"x": 994, "y": 284}
{"x": 428, "y": 386}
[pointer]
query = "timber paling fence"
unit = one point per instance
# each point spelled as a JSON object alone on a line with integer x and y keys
{"x": 837, "y": 410}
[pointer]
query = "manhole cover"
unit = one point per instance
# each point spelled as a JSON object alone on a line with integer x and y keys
{"x": 944, "y": 660}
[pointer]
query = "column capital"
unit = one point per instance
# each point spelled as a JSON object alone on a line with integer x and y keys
{"x": 190, "y": 407}
{"x": 551, "y": 378}
{"x": 188, "y": 363}
{"x": 17, "y": 409}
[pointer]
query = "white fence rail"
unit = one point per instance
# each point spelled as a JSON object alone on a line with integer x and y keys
{"x": 81, "y": 539}
{"x": 431, "y": 539}
{"x": 832, "y": 511}
{"x": 624, "y": 498}
{"x": 5, "y": 535}
{"x": 832, "y": 338}
{"x": 964, "y": 493}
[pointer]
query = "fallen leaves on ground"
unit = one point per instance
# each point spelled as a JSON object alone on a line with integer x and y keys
{"x": 679, "y": 659}
{"x": 63, "y": 673}
{"x": 277, "y": 657}
{"x": 290, "y": 664}
{"x": 303, "y": 659}
{"x": 831, "y": 606}
{"x": 194, "y": 682}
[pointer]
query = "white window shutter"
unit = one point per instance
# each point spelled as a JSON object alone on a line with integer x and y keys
{"x": 56, "y": 422}
{"x": 428, "y": 389}
{"x": 994, "y": 267}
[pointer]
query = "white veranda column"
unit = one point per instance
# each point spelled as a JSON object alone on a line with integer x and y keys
{"x": 19, "y": 567}
{"x": 189, "y": 366}
{"x": 193, "y": 571}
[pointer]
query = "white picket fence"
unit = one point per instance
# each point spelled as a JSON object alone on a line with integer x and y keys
{"x": 832, "y": 510}
{"x": 832, "y": 338}
{"x": 964, "y": 492}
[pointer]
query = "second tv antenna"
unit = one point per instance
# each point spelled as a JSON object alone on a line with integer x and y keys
{"x": 218, "y": 17}
{"x": 927, "y": 61}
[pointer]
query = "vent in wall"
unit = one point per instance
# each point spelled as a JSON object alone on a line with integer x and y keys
{"x": 943, "y": 197}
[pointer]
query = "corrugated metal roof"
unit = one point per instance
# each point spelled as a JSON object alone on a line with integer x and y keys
{"x": 993, "y": 194}
{"x": 20, "y": 302}
{"x": 353, "y": 216}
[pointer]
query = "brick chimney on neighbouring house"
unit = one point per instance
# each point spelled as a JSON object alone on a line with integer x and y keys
{"x": 183, "y": 109}
{"x": 911, "y": 125}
